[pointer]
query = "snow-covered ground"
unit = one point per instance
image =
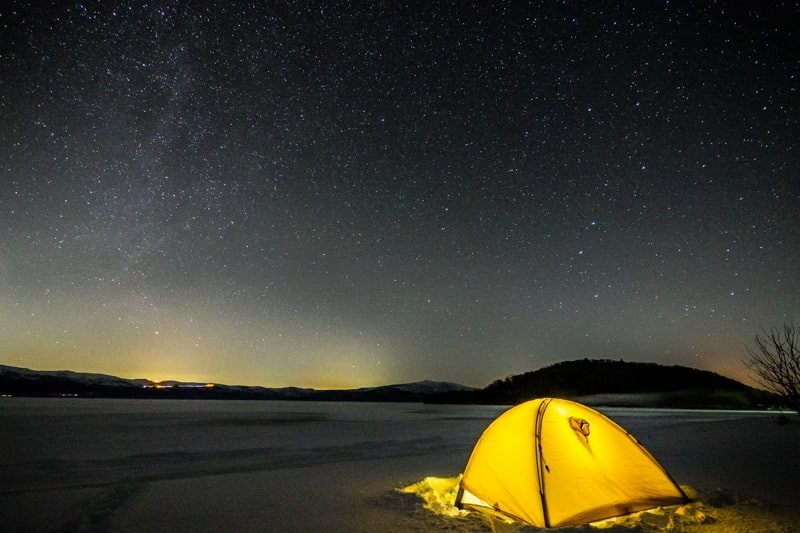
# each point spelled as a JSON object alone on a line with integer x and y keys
{"x": 134, "y": 465}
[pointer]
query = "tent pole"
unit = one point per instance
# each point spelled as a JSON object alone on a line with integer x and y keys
{"x": 540, "y": 466}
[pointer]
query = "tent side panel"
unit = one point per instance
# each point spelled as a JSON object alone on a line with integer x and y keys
{"x": 605, "y": 473}
{"x": 501, "y": 470}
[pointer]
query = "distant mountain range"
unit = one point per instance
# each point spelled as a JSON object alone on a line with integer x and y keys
{"x": 591, "y": 381}
{"x": 16, "y": 381}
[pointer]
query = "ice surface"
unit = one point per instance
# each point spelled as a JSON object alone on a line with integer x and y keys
{"x": 132, "y": 465}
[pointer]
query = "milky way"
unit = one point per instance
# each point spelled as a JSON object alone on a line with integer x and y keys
{"x": 345, "y": 193}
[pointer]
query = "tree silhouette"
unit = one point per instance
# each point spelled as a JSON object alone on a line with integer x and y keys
{"x": 774, "y": 362}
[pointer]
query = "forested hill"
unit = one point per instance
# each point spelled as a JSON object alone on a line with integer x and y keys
{"x": 603, "y": 381}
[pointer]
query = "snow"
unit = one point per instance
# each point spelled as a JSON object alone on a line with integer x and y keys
{"x": 130, "y": 465}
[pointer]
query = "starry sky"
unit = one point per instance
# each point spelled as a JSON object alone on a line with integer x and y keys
{"x": 341, "y": 194}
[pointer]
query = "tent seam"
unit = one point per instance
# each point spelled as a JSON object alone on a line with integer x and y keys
{"x": 537, "y": 436}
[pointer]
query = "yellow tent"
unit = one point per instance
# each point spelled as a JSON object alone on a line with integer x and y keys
{"x": 556, "y": 463}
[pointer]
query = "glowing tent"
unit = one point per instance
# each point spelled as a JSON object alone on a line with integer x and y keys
{"x": 555, "y": 463}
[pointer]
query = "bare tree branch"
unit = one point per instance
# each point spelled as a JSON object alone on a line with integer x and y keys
{"x": 774, "y": 362}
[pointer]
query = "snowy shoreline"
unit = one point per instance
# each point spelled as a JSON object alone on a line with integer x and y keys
{"x": 119, "y": 465}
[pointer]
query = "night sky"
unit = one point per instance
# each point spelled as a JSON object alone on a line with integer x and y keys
{"x": 341, "y": 194}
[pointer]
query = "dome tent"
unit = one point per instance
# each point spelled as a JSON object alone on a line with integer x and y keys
{"x": 555, "y": 463}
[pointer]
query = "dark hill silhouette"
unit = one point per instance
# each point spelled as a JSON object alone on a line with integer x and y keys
{"x": 618, "y": 383}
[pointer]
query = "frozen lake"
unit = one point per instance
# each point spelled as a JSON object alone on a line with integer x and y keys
{"x": 132, "y": 465}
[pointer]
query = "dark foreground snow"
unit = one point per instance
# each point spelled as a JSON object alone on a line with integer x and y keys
{"x": 122, "y": 465}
